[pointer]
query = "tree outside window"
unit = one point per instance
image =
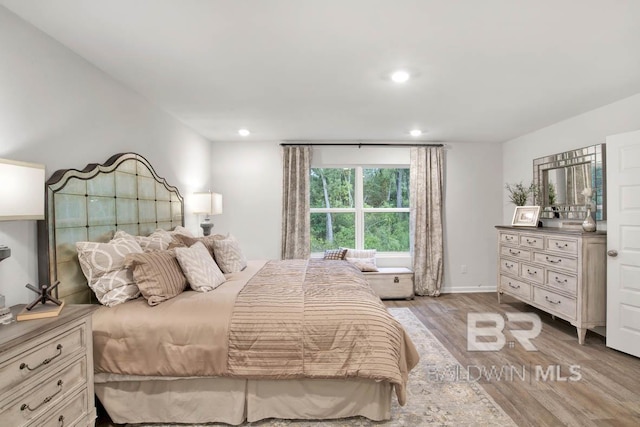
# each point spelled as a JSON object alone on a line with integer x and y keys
{"x": 363, "y": 208}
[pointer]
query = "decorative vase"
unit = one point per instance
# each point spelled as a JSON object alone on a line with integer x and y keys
{"x": 589, "y": 224}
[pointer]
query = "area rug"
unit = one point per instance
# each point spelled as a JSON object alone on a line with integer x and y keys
{"x": 436, "y": 395}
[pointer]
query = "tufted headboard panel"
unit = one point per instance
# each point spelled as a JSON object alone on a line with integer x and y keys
{"x": 91, "y": 204}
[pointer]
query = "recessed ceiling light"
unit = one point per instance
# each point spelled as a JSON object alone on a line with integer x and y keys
{"x": 244, "y": 132}
{"x": 415, "y": 132}
{"x": 400, "y": 76}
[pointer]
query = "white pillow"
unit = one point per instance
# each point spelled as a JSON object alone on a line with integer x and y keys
{"x": 201, "y": 271}
{"x": 181, "y": 230}
{"x": 360, "y": 253}
{"x": 229, "y": 257}
{"x": 364, "y": 259}
{"x": 103, "y": 266}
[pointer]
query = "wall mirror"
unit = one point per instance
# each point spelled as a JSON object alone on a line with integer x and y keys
{"x": 562, "y": 177}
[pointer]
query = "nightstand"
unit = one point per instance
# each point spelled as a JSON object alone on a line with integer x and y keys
{"x": 391, "y": 282}
{"x": 46, "y": 370}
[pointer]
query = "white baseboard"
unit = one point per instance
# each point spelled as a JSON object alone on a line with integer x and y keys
{"x": 466, "y": 289}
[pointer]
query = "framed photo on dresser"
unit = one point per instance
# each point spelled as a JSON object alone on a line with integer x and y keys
{"x": 526, "y": 216}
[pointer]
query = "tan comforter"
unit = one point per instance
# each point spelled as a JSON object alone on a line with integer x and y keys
{"x": 282, "y": 319}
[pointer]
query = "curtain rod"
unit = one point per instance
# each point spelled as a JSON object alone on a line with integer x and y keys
{"x": 359, "y": 144}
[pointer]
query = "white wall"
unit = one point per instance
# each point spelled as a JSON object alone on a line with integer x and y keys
{"x": 59, "y": 110}
{"x": 249, "y": 175}
{"x": 580, "y": 131}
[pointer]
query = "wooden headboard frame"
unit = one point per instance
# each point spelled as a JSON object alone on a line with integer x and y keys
{"x": 91, "y": 204}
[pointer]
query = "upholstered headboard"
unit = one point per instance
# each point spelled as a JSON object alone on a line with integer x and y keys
{"x": 91, "y": 204}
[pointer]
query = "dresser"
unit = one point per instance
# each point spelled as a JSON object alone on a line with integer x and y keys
{"x": 562, "y": 272}
{"x": 46, "y": 370}
{"x": 391, "y": 282}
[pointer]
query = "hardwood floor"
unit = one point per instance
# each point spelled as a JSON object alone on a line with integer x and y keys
{"x": 607, "y": 394}
{"x": 606, "y": 391}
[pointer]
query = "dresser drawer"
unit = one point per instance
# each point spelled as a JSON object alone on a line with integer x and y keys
{"x": 69, "y": 414}
{"x": 533, "y": 273}
{"x": 519, "y": 253}
{"x": 51, "y": 392}
{"x": 509, "y": 238}
{"x": 556, "y": 261}
{"x": 509, "y": 266}
{"x": 555, "y": 303}
{"x": 565, "y": 282}
{"x": 566, "y": 246}
{"x": 391, "y": 285}
{"x": 45, "y": 354}
{"x": 532, "y": 241}
{"x": 515, "y": 287}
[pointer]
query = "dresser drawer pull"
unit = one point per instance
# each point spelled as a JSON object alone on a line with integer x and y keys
{"x": 552, "y": 301}
{"x": 562, "y": 282}
{"x": 61, "y": 420}
{"x": 45, "y": 361}
{"x": 554, "y": 261}
{"x": 531, "y": 273}
{"x": 514, "y": 287}
{"x": 508, "y": 238}
{"x": 559, "y": 246}
{"x": 46, "y": 399}
{"x": 508, "y": 265}
{"x": 396, "y": 279}
{"x": 531, "y": 242}
{"x": 512, "y": 252}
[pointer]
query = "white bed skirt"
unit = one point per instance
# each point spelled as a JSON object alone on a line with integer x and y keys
{"x": 130, "y": 399}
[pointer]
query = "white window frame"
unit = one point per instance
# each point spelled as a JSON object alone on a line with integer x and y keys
{"x": 359, "y": 210}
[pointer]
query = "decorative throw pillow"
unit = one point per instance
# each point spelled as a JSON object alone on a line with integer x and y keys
{"x": 202, "y": 272}
{"x": 364, "y": 264}
{"x": 103, "y": 266}
{"x": 360, "y": 253}
{"x": 156, "y": 241}
{"x": 181, "y": 230}
{"x": 157, "y": 274}
{"x": 182, "y": 241}
{"x": 227, "y": 253}
{"x": 336, "y": 254}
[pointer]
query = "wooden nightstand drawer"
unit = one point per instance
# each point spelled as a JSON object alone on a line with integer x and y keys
{"x": 46, "y": 370}
{"x": 36, "y": 357}
{"x": 69, "y": 414}
{"x": 391, "y": 283}
{"x": 50, "y": 392}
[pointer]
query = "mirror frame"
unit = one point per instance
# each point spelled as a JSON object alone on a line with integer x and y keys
{"x": 595, "y": 155}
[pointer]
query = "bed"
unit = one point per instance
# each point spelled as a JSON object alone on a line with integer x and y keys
{"x": 294, "y": 339}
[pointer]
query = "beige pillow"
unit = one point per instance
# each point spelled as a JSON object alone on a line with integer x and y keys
{"x": 364, "y": 264}
{"x": 103, "y": 266}
{"x": 227, "y": 253}
{"x": 156, "y": 241}
{"x": 202, "y": 272}
{"x": 181, "y": 241}
{"x": 157, "y": 274}
{"x": 181, "y": 230}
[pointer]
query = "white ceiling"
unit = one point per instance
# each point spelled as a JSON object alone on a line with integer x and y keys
{"x": 487, "y": 70}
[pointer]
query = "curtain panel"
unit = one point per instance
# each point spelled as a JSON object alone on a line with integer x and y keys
{"x": 427, "y": 247}
{"x": 296, "y": 222}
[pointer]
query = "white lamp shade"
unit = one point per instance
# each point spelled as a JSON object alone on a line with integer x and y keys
{"x": 207, "y": 203}
{"x": 21, "y": 190}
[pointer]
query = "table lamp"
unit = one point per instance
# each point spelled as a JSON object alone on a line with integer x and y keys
{"x": 207, "y": 203}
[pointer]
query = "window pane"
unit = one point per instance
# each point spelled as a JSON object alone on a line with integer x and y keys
{"x": 386, "y": 232}
{"x": 331, "y": 230}
{"x": 332, "y": 188}
{"x": 386, "y": 188}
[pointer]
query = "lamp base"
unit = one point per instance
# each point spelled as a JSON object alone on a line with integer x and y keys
{"x": 206, "y": 227}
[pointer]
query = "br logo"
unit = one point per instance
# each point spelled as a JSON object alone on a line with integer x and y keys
{"x": 490, "y": 326}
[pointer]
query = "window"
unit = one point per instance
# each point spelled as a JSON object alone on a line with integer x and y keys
{"x": 363, "y": 208}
